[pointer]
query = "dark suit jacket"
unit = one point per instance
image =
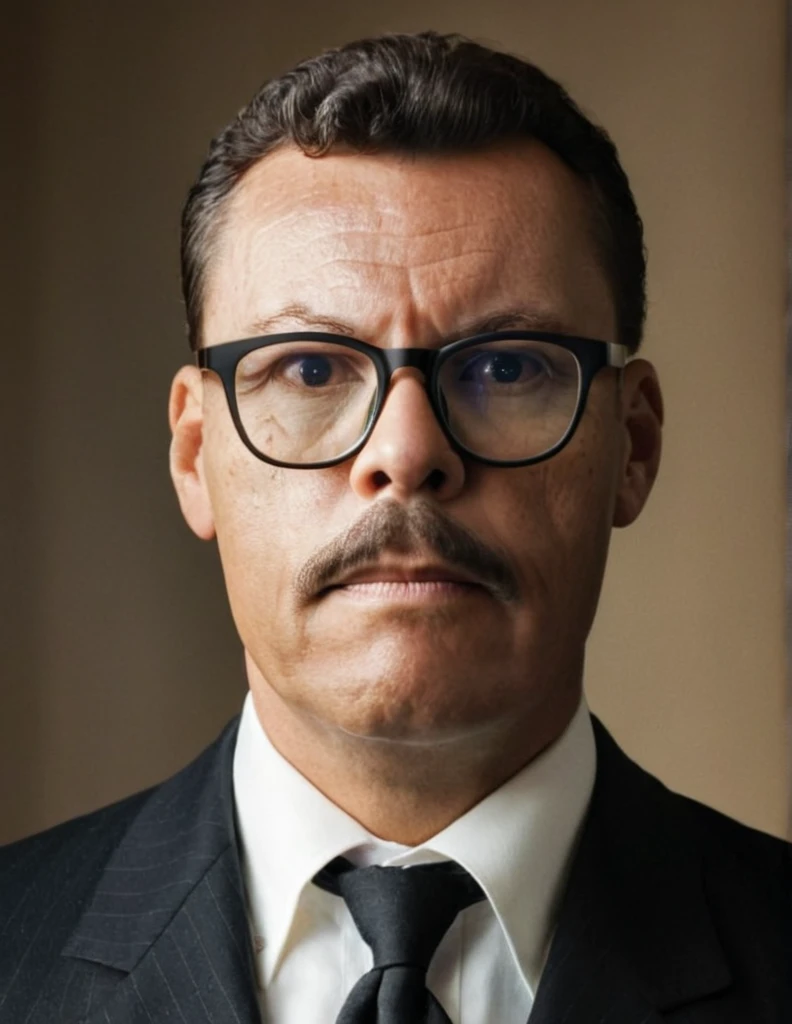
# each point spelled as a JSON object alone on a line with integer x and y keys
{"x": 136, "y": 913}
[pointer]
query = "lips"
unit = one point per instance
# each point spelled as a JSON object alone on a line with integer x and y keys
{"x": 403, "y": 574}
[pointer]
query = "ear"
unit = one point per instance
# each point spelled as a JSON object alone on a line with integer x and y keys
{"x": 185, "y": 414}
{"x": 642, "y": 422}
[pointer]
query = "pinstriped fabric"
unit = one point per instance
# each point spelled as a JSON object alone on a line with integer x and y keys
{"x": 43, "y": 886}
{"x": 178, "y": 835}
{"x": 198, "y": 970}
{"x": 133, "y": 913}
{"x": 136, "y": 914}
{"x": 73, "y": 991}
{"x": 122, "y": 921}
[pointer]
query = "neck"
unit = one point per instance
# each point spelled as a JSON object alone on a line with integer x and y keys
{"x": 408, "y": 791}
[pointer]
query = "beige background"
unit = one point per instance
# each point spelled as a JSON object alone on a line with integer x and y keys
{"x": 119, "y": 659}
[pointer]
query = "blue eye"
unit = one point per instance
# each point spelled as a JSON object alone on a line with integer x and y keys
{"x": 505, "y": 369}
{"x": 501, "y": 367}
{"x": 315, "y": 370}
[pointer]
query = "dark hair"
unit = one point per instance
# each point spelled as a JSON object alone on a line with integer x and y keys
{"x": 421, "y": 93}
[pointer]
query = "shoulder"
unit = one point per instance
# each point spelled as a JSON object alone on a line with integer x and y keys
{"x": 750, "y": 868}
{"x": 639, "y": 797}
{"x": 746, "y": 874}
{"x": 731, "y": 843}
{"x": 82, "y": 845}
{"x": 749, "y": 845}
{"x": 79, "y": 837}
{"x": 746, "y": 881}
{"x": 50, "y": 882}
{"x": 47, "y": 878}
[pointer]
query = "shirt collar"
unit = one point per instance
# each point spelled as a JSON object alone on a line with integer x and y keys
{"x": 517, "y": 842}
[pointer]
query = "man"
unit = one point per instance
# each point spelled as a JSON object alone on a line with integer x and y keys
{"x": 414, "y": 277}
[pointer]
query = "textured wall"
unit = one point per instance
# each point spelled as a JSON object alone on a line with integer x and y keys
{"x": 119, "y": 659}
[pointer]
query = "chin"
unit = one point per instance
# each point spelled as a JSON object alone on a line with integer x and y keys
{"x": 417, "y": 695}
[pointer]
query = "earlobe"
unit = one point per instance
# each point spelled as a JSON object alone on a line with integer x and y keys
{"x": 185, "y": 414}
{"x": 642, "y": 413}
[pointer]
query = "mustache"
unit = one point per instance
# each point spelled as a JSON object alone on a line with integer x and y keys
{"x": 407, "y": 529}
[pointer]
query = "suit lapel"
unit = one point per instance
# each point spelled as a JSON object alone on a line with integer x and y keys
{"x": 634, "y": 938}
{"x": 199, "y": 969}
{"x": 168, "y": 919}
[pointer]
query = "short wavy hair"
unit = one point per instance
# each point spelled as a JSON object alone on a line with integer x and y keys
{"x": 419, "y": 93}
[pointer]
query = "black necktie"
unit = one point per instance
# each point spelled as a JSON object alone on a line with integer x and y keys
{"x": 402, "y": 913}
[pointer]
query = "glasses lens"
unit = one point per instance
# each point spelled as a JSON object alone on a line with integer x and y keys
{"x": 510, "y": 399}
{"x": 305, "y": 401}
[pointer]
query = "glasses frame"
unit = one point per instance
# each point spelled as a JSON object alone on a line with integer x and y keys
{"x": 591, "y": 354}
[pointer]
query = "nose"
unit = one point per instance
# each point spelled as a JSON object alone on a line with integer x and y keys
{"x": 408, "y": 453}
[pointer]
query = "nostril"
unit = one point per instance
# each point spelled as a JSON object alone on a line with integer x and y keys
{"x": 381, "y": 479}
{"x": 436, "y": 479}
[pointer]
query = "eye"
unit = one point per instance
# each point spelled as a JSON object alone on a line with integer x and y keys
{"x": 309, "y": 370}
{"x": 314, "y": 370}
{"x": 503, "y": 367}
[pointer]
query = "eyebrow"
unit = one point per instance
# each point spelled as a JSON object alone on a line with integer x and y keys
{"x": 301, "y": 317}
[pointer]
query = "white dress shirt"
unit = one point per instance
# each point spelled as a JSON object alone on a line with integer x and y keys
{"x": 517, "y": 843}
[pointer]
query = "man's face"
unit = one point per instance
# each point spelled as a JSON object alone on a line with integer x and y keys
{"x": 404, "y": 252}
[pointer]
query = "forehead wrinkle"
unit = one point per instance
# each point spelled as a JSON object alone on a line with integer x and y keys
{"x": 376, "y": 250}
{"x": 384, "y": 220}
{"x": 376, "y": 237}
{"x": 379, "y": 264}
{"x": 434, "y": 292}
{"x": 412, "y": 233}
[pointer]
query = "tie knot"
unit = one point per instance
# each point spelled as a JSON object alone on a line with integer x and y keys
{"x": 402, "y": 913}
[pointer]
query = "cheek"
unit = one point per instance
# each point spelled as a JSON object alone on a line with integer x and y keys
{"x": 268, "y": 521}
{"x": 554, "y": 520}
{"x": 580, "y": 499}
{"x": 246, "y": 496}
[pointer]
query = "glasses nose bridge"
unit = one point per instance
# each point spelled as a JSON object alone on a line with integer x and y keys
{"x": 421, "y": 359}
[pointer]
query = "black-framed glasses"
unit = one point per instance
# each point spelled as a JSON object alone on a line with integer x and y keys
{"x": 308, "y": 400}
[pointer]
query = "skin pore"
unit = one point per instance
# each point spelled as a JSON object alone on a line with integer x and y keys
{"x": 407, "y": 705}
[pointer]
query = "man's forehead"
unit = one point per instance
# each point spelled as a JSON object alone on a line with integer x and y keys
{"x": 406, "y": 196}
{"x": 484, "y": 229}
